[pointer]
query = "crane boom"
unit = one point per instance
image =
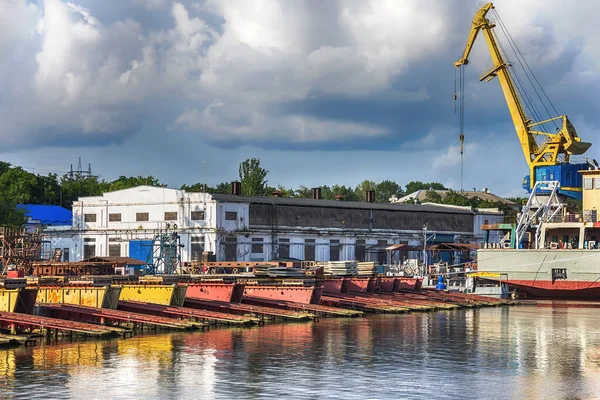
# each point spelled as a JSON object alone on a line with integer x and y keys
{"x": 555, "y": 148}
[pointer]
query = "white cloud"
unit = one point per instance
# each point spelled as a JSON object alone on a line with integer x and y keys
{"x": 239, "y": 71}
{"x": 220, "y": 122}
{"x": 18, "y": 20}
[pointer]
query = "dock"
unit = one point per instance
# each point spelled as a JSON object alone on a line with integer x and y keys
{"x": 135, "y": 321}
{"x": 321, "y": 311}
{"x": 206, "y": 316}
{"x": 12, "y": 321}
{"x": 265, "y": 313}
{"x": 108, "y": 306}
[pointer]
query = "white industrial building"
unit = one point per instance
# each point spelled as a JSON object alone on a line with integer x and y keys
{"x": 234, "y": 227}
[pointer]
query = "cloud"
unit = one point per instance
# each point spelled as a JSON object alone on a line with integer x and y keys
{"x": 223, "y": 123}
{"x": 267, "y": 77}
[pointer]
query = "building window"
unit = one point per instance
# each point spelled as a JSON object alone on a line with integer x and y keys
{"x": 114, "y": 250}
{"x": 257, "y": 245}
{"x": 334, "y": 250}
{"x": 171, "y": 216}
{"x": 359, "y": 250}
{"x": 596, "y": 183}
{"x": 143, "y": 216}
{"x": 89, "y": 251}
{"x": 88, "y": 239}
{"x": 309, "y": 249}
{"x": 89, "y": 217}
{"x": 196, "y": 248}
{"x": 197, "y": 215}
{"x": 66, "y": 254}
{"x": 587, "y": 183}
{"x": 230, "y": 215}
{"x": 114, "y": 217}
{"x": 284, "y": 248}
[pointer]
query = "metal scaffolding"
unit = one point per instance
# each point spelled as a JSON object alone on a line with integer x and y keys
{"x": 19, "y": 248}
{"x": 165, "y": 257}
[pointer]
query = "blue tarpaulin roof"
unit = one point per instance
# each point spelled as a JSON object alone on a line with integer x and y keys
{"x": 47, "y": 215}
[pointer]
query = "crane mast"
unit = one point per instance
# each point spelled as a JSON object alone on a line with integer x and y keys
{"x": 555, "y": 148}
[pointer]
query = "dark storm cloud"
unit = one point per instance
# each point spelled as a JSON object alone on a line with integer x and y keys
{"x": 279, "y": 79}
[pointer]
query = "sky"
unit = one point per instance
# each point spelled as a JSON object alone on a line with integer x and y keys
{"x": 323, "y": 92}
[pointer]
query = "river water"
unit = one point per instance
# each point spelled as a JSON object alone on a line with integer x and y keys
{"x": 522, "y": 352}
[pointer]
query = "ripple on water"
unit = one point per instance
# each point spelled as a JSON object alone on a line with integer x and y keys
{"x": 511, "y": 353}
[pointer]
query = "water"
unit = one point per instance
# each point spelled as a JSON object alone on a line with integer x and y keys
{"x": 509, "y": 353}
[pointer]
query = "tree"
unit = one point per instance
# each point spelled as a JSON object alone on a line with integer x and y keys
{"x": 48, "y": 190}
{"x": 431, "y": 196}
{"x": 222, "y": 188}
{"x": 195, "y": 187}
{"x": 18, "y": 185}
{"x": 455, "y": 198}
{"x": 413, "y": 186}
{"x": 10, "y": 216}
{"x": 361, "y": 188}
{"x": 252, "y": 177}
{"x": 386, "y": 189}
{"x": 303, "y": 192}
{"x": 72, "y": 189}
{"x": 327, "y": 193}
{"x": 124, "y": 182}
{"x": 347, "y": 192}
{"x": 286, "y": 192}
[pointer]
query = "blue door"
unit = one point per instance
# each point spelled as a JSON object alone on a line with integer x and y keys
{"x": 141, "y": 250}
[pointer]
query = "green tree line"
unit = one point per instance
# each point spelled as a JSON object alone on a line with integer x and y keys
{"x": 18, "y": 186}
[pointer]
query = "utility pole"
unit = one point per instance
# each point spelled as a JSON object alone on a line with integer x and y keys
{"x": 424, "y": 249}
{"x": 203, "y": 176}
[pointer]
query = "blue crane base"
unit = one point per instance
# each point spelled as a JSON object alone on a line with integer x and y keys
{"x": 567, "y": 174}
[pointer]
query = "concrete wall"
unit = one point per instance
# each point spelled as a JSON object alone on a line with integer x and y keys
{"x": 591, "y": 195}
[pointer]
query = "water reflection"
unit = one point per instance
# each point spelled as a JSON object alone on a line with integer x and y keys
{"x": 522, "y": 352}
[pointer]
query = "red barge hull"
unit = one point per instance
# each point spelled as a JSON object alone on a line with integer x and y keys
{"x": 557, "y": 290}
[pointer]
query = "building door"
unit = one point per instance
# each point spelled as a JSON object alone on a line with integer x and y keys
{"x": 382, "y": 254}
{"x": 231, "y": 248}
{"x": 334, "y": 250}
{"x": 309, "y": 249}
{"x": 359, "y": 250}
{"x": 284, "y": 248}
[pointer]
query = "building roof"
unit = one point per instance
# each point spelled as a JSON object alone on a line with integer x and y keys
{"x": 47, "y": 214}
{"x": 483, "y": 195}
{"x": 287, "y": 201}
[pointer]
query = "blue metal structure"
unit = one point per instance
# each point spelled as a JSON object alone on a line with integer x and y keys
{"x": 568, "y": 175}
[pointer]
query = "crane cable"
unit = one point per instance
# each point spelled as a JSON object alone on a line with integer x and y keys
{"x": 461, "y": 113}
{"x": 525, "y": 66}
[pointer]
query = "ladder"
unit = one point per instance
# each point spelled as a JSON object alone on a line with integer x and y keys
{"x": 543, "y": 205}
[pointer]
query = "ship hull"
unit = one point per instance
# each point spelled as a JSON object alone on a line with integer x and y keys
{"x": 544, "y": 273}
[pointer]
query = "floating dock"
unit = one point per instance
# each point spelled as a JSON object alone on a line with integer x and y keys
{"x": 210, "y": 317}
{"x": 317, "y": 309}
{"x": 104, "y": 306}
{"x": 15, "y": 322}
{"x": 105, "y": 316}
{"x": 263, "y": 312}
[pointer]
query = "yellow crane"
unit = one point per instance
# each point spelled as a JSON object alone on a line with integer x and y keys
{"x": 547, "y": 159}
